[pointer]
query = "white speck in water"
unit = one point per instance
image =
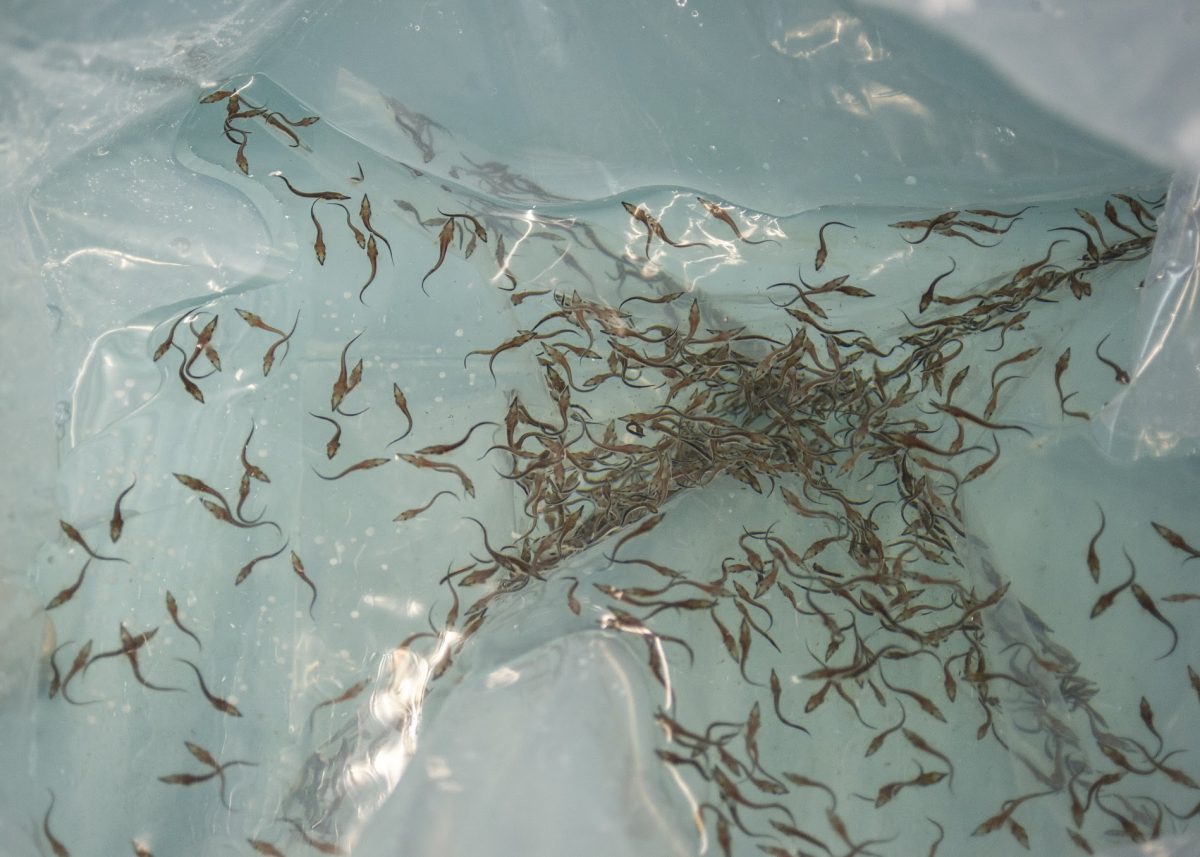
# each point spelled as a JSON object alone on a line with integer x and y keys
{"x": 437, "y": 350}
{"x": 501, "y": 677}
{"x": 369, "y": 531}
{"x": 333, "y": 560}
{"x": 437, "y": 399}
{"x": 318, "y": 540}
{"x": 293, "y": 376}
{"x": 910, "y": 180}
{"x": 126, "y": 708}
{"x": 262, "y": 453}
{"x": 458, "y": 332}
{"x": 129, "y": 382}
{"x": 354, "y": 614}
{"x": 383, "y": 566}
{"x": 441, "y": 374}
{"x": 393, "y": 365}
{"x": 120, "y": 394}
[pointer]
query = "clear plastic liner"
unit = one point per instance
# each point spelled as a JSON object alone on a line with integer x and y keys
{"x": 1124, "y": 71}
{"x": 1157, "y": 415}
{"x": 459, "y": 468}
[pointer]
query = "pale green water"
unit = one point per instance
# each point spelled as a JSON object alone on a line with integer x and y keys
{"x": 228, "y": 241}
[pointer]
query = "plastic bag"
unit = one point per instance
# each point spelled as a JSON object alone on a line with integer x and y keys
{"x": 317, "y": 620}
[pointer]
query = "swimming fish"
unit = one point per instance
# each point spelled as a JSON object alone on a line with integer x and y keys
{"x": 269, "y": 357}
{"x": 444, "y": 239}
{"x": 1147, "y": 604}
{"x": 173, "y": 609}
{"x": 341, "y": 386}
{"x": 319, "y": 195}
{"x": 222, "y": 705}
{"x": 373, "y": 258}
{"x": 264, "y": 847}
{"x": 722, "y": 215}
{"x": 78, "y": 665}
{"x": 1122, "y": 375}
{"x": 256, "y": 321}
{"x": 56, "y": 846}
{"x": 334, "y": 443}
{"x": 365, "y": 464}
{"x": 653, "y": 228}
{"x": 1176, "y": 541}
{"x": 298, "y": 568}
{"x": 66, "y": 594}
{"x": 117, "y": 524}
{"x": 927, "y": 297}
{"x": 75, "y": 536}
{"x": 822, "y": 249}
{"x": 345, "y": 696}
{"x": 319, "y": 845}
{"x": 1093, "y": 560}
{"x": 441, "y": 467}
{"x": 409, "y": 514}
{"x": 246, "y": 569}
{"x": 364, "y": 213}
{"x": 319, "y": 241}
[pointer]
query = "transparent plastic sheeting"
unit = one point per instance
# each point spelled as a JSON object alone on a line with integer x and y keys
{"x": 1157, "y": 415}
{"x": 847, "y": 105}
{"x": 1124, "y": 71}
{"x": 427, "y": 490}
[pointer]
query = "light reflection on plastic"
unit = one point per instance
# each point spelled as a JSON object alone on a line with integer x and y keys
{"x": 122, "y": 260}
{"x": 691, "y": 800}
{"x": 849, "y": 101}
{"x": 836, "y": 29}
{"x": 1157, "y": 443}
{"x": 502, "y": 677}
{"x": 878, "y": 95}
{"x": 530, "y": 220}
{"x": 666, "y": 673}
{"x": 887, "y": 262}
{"x": 398, "y": 704}
{"x": 635, "y": 750}
{"x": 385, "y": 602}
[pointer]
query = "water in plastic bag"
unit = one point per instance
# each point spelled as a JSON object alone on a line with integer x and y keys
{"x": 418, "y": 499}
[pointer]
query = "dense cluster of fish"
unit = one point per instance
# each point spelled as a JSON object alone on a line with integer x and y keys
{"x": 853, "y": 434}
